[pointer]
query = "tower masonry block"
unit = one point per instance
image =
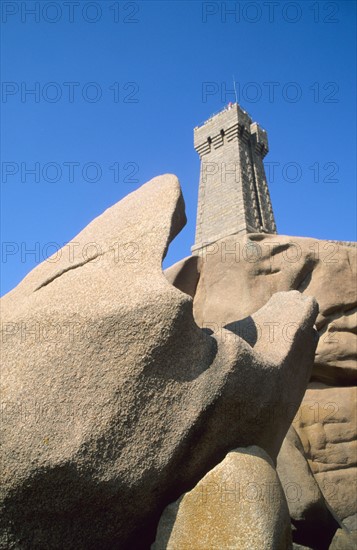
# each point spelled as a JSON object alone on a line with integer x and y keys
{"x": 233, "y": 192}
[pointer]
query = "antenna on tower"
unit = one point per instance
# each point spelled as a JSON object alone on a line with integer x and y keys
{"x": 235, "y": 90}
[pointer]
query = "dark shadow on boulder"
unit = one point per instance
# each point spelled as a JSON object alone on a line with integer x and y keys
{"x": 246, "y": 329}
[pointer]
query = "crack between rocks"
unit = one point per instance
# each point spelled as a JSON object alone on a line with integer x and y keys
{"x": 329, "y": 315}
{"x": 333, "y": 467}
{"x": 65, "y": 270}
{"x": 305, "y": 281}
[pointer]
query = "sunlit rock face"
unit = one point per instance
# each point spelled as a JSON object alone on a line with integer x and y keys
{"x": 239, "y": 504}
{"x": 114, "y": 400}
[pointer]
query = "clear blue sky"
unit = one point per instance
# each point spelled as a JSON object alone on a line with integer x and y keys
{"x": 119, "y": 87}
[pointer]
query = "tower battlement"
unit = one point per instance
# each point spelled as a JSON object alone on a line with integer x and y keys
{"x": 234, "y": 122}
{"x": 233, "y": 192}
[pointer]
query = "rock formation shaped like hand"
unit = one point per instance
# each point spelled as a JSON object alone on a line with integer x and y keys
{"x": 115, "y": 402}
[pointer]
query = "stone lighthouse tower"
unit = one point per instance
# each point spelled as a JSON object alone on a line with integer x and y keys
{"x": 233, "y": 193}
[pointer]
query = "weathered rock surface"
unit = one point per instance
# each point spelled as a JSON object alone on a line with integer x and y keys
{"x": 344, "y": 540}
{"x": 185, "y": 274}
{"x": 239, "y": 274}
{"x": 115, "y": 402}
{"x": 326, "y": 424}
{"x": 314, "y": 524}
{"x": 238, "y": 504}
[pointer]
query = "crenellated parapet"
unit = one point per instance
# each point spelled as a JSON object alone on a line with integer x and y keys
{"x": 230, "y": 124}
